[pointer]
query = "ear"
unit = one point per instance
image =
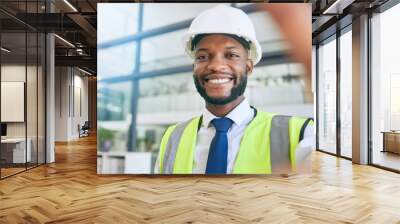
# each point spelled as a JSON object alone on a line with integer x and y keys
{"x": 249, "y": 67}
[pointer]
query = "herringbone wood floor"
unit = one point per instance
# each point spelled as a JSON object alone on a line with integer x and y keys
{"x": 70, "y": 191}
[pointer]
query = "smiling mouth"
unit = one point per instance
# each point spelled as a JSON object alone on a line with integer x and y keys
{"x": 218, "y": 81}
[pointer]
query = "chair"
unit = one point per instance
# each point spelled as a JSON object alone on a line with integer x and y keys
{"x": 84, "y": 130}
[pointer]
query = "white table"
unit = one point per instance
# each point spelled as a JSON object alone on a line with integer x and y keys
{"x": 18, "y": 145}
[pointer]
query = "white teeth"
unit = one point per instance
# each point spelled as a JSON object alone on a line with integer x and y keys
{"x": 219, "y": 81}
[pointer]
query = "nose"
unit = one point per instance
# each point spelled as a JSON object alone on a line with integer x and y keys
{"x": 218, "y": 63}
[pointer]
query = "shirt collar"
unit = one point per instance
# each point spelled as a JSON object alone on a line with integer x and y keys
{"x": 238, "y": 115}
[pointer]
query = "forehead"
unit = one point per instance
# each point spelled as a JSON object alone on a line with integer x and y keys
{"x": 218, "y": 40}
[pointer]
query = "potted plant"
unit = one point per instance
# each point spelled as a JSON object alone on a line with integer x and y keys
{"x": 106, "y": 138}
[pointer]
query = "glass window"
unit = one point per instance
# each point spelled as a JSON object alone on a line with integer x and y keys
{"x": 164, "y": 51}
{"x": 327, "y": 96}
{"x": 22, "y": 91}
{"x": 168, "y": 94}
{"x": 32, "y": 97}
{"x": 385, "y": 86}
{"x": 155, "y": 15}
{"x": 116, "y": 20}
{"x": 32, "y": 90}
{"x": 15, "y": 149}
{"x": 41, "y": 98}
{"x": 116, "y": 61}
{"x": 114, "y": 116}
{"x": 279, "y": 89}
{"x": 164, "y": 101}
{"x": 346, "y": 94}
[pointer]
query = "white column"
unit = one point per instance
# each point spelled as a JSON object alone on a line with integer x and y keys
{"x": 360, "y": 90}
{"x": 50, "y": 100}
{"x": 50, "y": 92}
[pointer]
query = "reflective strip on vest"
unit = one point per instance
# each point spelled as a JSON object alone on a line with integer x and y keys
{"x": 185, "y": 152}
{"x": 295, "y": 126}
{"x": 170, "y": 149}
{"x": 280, "y": 145}
{"x": 164, "y": 142}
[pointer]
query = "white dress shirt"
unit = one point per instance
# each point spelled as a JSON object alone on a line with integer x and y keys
{"x": 241, "y": 117}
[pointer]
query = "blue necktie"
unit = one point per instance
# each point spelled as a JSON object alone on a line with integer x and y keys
{"x": 218, "y": 154}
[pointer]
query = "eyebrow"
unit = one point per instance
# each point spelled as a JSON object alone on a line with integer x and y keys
{"x": 205, "y": 49}
{"x": 201, "y": 49}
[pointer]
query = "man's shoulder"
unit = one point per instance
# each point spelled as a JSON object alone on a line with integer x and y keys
{"x": 187, "y": 121}
{"x": 184, "y": 123}
{"x": 266, "y": 114}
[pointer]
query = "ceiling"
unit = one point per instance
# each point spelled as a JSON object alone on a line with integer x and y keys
{"x": 76, "y": 22}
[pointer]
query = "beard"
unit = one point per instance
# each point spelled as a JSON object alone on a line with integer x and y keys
{"x": 236, "y": 91}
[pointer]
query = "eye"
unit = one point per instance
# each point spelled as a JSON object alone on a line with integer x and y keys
{"x": 233, "y": 55}
{"x": 200, "y": 57}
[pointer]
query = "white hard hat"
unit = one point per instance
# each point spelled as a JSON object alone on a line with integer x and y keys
{"x": 224, "y": 20}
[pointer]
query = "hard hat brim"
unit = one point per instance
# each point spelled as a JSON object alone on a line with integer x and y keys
{"x": 255, "y": 52}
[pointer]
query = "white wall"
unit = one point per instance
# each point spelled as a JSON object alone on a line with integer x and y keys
{"x": 71, "y": 94}
{"x": 79, "y": 115}
{"x": 33, "y": 125}
{"x": 61, "y": 103}
{"x": 12, "y": 73}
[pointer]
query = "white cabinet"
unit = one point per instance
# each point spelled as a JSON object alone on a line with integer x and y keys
{"x": 124, "y": 162}
{"x": 17, "y": 145}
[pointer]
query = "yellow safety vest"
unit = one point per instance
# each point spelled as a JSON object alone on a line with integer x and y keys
{"x": 267, "y": 140}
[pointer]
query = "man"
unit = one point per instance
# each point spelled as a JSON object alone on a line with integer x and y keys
{"x": 230, "y": 136}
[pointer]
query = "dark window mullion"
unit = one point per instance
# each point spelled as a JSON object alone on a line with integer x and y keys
{"x": 369, "y": 96}
{"x": 0, "y": 96}
{"x": 37, "y": 90}
{"x": 317, "y": 96}
{"x": 338, "y": 98}
{"x": 26, "y": 87}
{"x": 135, "y": 84}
